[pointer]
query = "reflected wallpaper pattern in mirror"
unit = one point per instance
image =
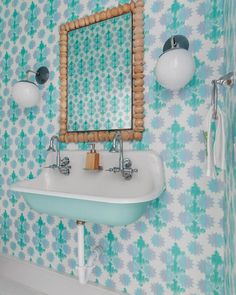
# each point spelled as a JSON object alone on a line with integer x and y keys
{"x": 100, "y": 75}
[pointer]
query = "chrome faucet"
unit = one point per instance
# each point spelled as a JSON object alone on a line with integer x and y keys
{"x": 125, "y": 165}
{"x": 117, "y": 147}
{"x": 61, "y": 164}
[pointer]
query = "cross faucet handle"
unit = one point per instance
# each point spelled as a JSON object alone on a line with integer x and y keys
{"x": 65, "y": 161}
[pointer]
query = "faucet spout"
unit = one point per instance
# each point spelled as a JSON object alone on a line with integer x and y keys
{"x": 121, "y": 158}
{"x": 51, "y": 146}
{"x": 61, "y": 164}
{"x": 125, "y": 165}
{"x": 55, "y": 148}
{"x": 117, "y": 147}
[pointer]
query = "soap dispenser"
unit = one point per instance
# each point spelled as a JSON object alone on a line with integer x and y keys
{"x": 92, "y": 159}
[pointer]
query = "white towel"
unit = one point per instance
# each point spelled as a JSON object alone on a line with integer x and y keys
{"x": 215, "y": 150}
{"x": 219, "y": 145}
{"x": 207, "y": 129}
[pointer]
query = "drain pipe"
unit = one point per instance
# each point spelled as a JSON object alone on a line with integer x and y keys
{"x": 85, "y": 270}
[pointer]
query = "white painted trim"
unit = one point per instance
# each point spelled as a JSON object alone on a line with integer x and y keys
{"x": 46, "y": 281}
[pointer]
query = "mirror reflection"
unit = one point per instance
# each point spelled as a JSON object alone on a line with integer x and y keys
{"x": 99, "y": 76}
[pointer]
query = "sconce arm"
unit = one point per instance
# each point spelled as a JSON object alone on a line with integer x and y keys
{"x": 28, "y": 72}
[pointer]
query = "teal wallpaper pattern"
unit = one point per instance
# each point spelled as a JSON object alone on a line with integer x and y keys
{"x": 230, "y": 190}
{"x": 100, "y": 76}
{"x": 177, "y": 247}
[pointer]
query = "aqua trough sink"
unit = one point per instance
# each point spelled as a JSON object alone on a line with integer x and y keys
{"x": 95, "y": 196}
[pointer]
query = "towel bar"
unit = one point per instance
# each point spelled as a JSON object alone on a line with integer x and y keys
{"x": 226, "y": 80}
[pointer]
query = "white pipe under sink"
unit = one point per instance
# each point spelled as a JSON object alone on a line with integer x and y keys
{"x": 85, "y": 270}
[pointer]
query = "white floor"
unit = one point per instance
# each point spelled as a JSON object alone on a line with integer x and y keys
{"x": 22, "y": 278}
{"x": 8, "y": 287}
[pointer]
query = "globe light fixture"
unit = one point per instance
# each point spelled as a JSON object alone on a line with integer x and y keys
{"x": 175, "y": 67}
{"x": 25, "y": 92}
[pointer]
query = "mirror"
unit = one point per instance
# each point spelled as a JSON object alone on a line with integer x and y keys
{"x": 101, "y": 73}
{"x": 100, "y": 76}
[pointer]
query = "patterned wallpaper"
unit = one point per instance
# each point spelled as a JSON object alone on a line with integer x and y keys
{"x": 230, "y": 191}
{"x": 177, "y": 247}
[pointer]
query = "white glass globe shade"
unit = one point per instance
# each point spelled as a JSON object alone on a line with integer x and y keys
{"x": 175, "y": 68}
{"x": 26, "y": 94}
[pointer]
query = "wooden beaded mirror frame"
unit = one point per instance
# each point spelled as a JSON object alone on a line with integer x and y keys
{"x": 137, "y": 79}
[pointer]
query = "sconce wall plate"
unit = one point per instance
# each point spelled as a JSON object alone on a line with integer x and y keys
{"x": 42, "y": 75}
{"x": 180, "y": 41}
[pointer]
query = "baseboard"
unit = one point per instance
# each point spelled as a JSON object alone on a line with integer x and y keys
{"x": 46, "y": 281}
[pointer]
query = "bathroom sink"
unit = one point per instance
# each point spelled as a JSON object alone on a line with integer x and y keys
{"x": 95, "y": 196}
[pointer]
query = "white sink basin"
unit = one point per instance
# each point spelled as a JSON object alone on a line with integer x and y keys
{"x": 96, "y": 196}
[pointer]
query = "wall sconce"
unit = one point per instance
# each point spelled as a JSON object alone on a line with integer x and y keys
{"x": 176, "y": 66}
{"x": 25, "y": 92}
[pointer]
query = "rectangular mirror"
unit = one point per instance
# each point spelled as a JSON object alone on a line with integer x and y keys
{"x": 100, "y": 76}
{"x": 101, "y": 72}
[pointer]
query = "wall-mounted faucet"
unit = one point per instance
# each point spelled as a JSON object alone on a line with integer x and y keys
{"x": 125, "y": 165}
{"x": 61, "y": 164}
